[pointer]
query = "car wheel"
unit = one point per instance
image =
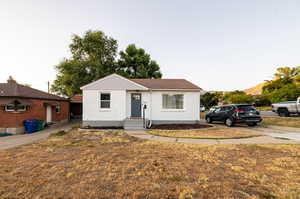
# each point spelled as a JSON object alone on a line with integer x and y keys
{"x": 283, "y": 113}
{"x": 229, "y": 122}
{"x": 208, "y": 120}
{"x": 252, "y": 124}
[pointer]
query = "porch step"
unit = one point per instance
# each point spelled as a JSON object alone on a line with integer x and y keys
{"x": 133, "y": 124}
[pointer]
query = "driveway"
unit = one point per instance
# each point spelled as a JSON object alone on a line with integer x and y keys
{"x": 268, "y": 114}
{"x": 17, "y": 140}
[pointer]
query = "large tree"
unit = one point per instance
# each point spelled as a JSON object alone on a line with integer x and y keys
{"x": 284, "y": 86}
{"x": 210, "y": 99}
{"x": 136, "y": 63}
{"x": 287, "y": 72}
{"x": 93, "y": 57}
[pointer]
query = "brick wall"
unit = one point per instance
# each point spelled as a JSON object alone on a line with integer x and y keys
{"x": 35, "y": 111}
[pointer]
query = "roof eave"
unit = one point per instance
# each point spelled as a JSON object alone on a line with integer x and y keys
{"x": 176, "y": 89}
{"x": 41, "y": 98}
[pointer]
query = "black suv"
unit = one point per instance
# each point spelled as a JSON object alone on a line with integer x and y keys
{"x": 234, "y": 113}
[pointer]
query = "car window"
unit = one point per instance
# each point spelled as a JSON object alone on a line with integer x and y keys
{"x": 212, "y": 109}
{"x": 223, "y": 108}
{"x": 217, "y": 109}
{"x": 247, "y": 108}
{"x": 228, "y": 108}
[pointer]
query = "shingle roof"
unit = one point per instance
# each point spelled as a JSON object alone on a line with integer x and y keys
{"x": 166, "y": 83}
{"x": 17, "y": 90}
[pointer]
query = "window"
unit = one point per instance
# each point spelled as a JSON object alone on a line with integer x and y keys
{"x": 21, "y": 108}
{"x": 12, "y": 108}
{"x": 172, "y": 101}
{"x": 223, "y": 108}
{"x": 246, "y": 108}
{"x": 105, "y": 100}
{"x": 57, "y": 108}
{"x": 218, "y": 109}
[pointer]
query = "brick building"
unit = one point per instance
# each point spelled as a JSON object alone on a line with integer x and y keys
{"x": 76, "y": 107}
{"x": 19, "y": 103}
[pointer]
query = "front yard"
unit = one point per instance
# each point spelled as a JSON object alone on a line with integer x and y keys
{"x": 110, "y": 164}
{"x": 282, "y": 121}
{"x": 208, "y": 133}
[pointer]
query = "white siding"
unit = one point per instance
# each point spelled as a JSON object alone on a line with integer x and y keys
{"x": 113, "y": 82}
{"x": 154, "y": 109}
{"x": 191, "y": 107}
{"x": 91, "y": 106}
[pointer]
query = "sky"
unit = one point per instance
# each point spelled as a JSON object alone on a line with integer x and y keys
{"x": 218, "y": 45}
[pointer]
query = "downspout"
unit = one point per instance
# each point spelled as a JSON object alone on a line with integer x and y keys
{"x": 150, "y": 118}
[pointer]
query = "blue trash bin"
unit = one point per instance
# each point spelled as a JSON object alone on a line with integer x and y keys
{"x": 30, "y": 126}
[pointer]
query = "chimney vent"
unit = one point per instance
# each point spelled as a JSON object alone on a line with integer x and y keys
{"x": 11, "y": 80}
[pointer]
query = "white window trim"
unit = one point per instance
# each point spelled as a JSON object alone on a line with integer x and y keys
{"x": 173, "y": 109}
{"x": 99, "y": 102}
{"x": 9, "y": 110}
{"x": 22, "y": 110}
{"x": 58, "y": 112}
{"x": 13, "y": 110}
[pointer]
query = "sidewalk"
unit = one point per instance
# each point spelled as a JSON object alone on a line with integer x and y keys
{"x": 254, "y": 140}
{"x": 17, "y": 140}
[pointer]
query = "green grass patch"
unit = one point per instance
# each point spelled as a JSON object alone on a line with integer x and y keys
{"x": 5, "y": 134}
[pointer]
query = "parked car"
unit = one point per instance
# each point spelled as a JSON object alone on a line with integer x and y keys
{"x": 234, "y": 113}
{"x": 285, "y": 109}
{"x": 202, "y": 108}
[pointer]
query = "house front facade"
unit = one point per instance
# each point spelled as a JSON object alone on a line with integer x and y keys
{"x": 19, "y": 103}
{"x": 114, "y": 101}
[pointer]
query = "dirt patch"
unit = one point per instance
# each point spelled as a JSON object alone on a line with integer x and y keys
{"x": 114, "y": 165}
{"x": 180, "y": 126}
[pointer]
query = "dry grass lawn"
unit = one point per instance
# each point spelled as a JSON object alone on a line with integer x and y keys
{"x": 282, "y": 121}
{"x": 110, "y": 165}
{"x": 209, "y": 133}
{"x": 264, "y": 108}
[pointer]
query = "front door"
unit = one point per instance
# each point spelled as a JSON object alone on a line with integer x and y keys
{"x": 136, "y": 105}
{"x": 48, "y": 114}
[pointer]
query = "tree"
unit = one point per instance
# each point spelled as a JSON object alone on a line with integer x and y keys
{"x": 93, "y": 57}
{"x": 289, "y": 92}
{"x": 135, "y": 63}
{"x": 238, "y": 97}
{"x": 210, "y": 99}
{"x": 276, "y": 84}
{"x": 287, "y": 72}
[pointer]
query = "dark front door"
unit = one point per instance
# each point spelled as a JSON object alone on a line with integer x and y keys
{"x": 136, "y": 105}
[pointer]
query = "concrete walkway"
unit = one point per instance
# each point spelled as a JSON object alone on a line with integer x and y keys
{"x": 277, "y": 132}
{"x": 17, "y": 140}
{"x": 255, "y": 140}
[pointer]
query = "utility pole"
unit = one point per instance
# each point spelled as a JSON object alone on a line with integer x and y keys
{"x": 48, "y": 86}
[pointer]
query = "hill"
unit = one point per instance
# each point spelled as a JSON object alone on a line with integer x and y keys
{"x": 255, "y": 90}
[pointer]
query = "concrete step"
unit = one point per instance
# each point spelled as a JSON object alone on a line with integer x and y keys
{"x": 133, "y": 128}
{"x": 134, "y": 124}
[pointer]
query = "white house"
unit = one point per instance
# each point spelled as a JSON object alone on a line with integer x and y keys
{"x": 115, "y": 101}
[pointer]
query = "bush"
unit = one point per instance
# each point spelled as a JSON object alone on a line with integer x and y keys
{"x": 238, "y": 97}
{"x": 261, "y": 100}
